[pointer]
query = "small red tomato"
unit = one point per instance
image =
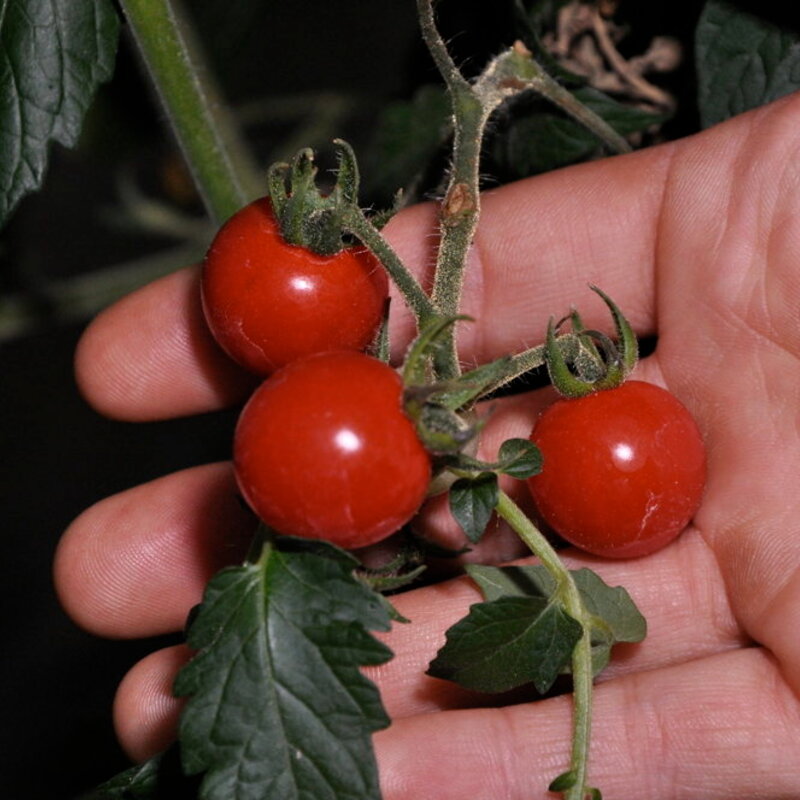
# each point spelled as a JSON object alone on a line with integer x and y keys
{"x": 324, "y": 450}
{"x": 269, "y": 302}
{"x": 623, "y": 469}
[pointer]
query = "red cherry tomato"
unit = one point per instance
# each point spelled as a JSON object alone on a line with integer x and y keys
{"x": 324, "y": 450}
{"x": 268, "y": 302}
{"x": 623, "y": 469}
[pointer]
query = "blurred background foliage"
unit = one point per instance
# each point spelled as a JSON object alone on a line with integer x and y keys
{"x": 119, "y": 209}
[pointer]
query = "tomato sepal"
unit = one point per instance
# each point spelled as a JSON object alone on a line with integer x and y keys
{"x": 597, "y": 362}
{"x": 307, "y": 217}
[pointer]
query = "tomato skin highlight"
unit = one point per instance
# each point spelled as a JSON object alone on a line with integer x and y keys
{"x": 623, "y": 469}
{"x": 324, "y": 450}
{"x": 268, "y": 302}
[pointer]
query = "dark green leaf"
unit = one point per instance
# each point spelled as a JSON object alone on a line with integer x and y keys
{"x": 472, "y": 501}
{"x": 539, "y": 138}
{"x": 407, "y": 136}
{"x": 519, "y": 458}
{"x": 55, "y": 54}
{"x": 615, "y": 617}
{"x": 159, "y": 778}
{"x": 508, "y": 642}
{"x": 742, "y": 61}
{"x": 277, "y": 704}
{"x": 566, "y": 780}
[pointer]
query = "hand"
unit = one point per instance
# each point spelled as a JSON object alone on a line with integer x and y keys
{"x": 698, "y": 241}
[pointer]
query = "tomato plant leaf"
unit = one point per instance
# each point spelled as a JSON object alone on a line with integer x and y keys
{"x": 742, "y": 61}
{"x": 506, "y": 643}
{"x": 406, "y": 138}
{"x": 55, "y": 54}
{"x": 538, "y": 137}
{"x": 159, "y": 778}
{"x": 615, "y": 617}
{"x": 277, "y": 704}
{"x": 519, "y": 458}
{"x": 472, "y": 501}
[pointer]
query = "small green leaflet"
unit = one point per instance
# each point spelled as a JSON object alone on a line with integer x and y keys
{"x": 472, "y": 501}
{"x": 519, "y": 458}
{"x": 615, "y": 617}
{"x": 159, "y": 778}
{"x": 506, "y": 643}
{"x": 55, "y": 54}
{"x": 278, "y": 707}
{"x": 742, "y": 61}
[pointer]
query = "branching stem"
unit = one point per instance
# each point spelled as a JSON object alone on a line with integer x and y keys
{"x": 511, "y": 73}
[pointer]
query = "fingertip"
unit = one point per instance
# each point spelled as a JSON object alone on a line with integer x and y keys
{"x": 135, "y": 563}
{"x": 151, "y": 356}
{"x": 146, "y": 713}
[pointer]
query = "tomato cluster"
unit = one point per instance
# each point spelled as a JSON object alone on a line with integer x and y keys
{"x": 624, "y": 469}
{"x": 323, "y": 448}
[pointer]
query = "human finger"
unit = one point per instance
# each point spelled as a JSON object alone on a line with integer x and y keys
{"x": 146, "y": 712}
{"x": 717, "y": 727}
{"x": 135, "y": 563}
{"x": 151, "y": 356}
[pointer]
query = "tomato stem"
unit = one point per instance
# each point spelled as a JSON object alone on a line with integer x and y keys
{"x": 509, "y": 74}
{"x": 216, "y": 153}
{"x": 355, "y": 221}
{"x": 582, "y": 677}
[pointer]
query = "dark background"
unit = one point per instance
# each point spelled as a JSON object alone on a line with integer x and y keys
{"x": 58, "y": 456}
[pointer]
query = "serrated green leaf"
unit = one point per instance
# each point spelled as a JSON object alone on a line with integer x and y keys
{"x": 277, "y": 704}
{"x": 506, "y": 643}
{"x": 55, "y": 54}
{"x": 540, "y": 138}
{"x": 742, "y": 61}
{"x": 615, "y": 617}
{"x": 519, "y": 458}
{"x": 472, "y": 501}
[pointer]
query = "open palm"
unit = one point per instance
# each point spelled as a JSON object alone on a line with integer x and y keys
{"x": 698, "y": 241}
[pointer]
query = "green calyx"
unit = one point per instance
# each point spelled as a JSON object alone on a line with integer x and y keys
{"x": 595, "y": 362}
{"x": 307, "y": 217}
{"x": 439, "y": 425}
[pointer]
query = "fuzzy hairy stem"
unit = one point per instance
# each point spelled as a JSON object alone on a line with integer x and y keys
{"x": 220, "y": 163}
{"x": 582, "y": 679}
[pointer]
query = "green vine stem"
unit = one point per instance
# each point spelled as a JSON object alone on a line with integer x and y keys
{"x": 221, "y": 165}
{"x": 581, "y": 655}
{"x": 460, "y": 209}
{"x": 356, "y": 222}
